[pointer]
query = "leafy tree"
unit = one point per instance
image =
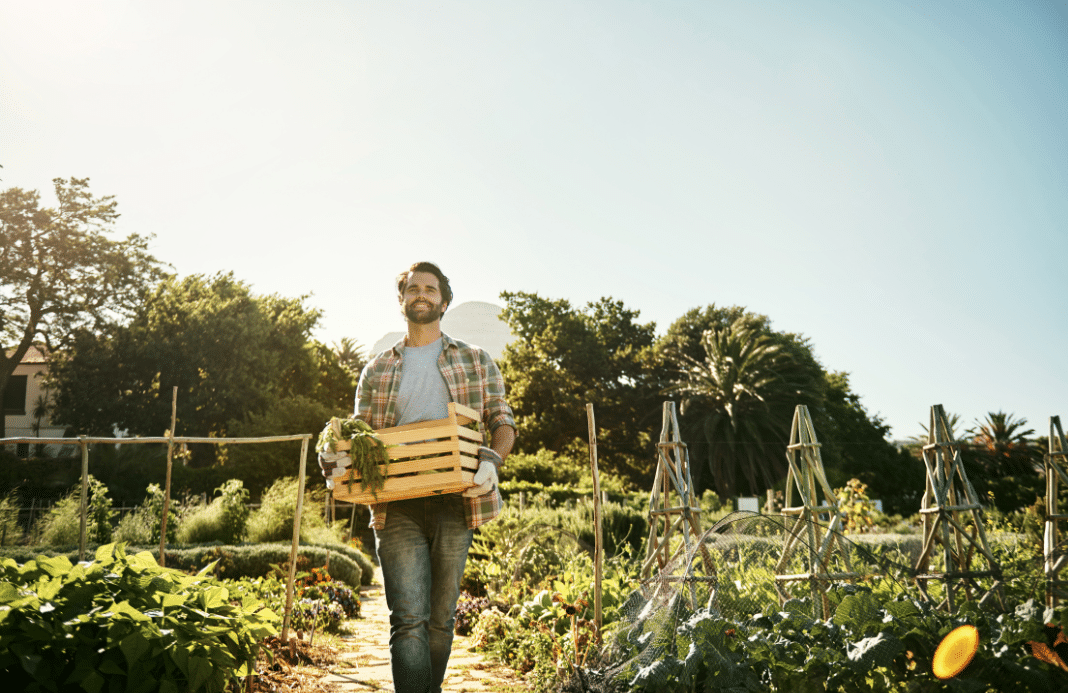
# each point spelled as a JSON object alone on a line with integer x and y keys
{"x": 854, "y": 445}
{"x": 61, "y": 273}
{"x": 233, "y": 355}
{"x": 738, "y": 402}
{"x": 562, "y": 359}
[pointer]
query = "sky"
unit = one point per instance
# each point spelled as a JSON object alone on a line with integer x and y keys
{"x": 887, "y": 179}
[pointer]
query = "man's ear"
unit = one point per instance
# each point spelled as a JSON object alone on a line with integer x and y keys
{"x": 443, "y": 307}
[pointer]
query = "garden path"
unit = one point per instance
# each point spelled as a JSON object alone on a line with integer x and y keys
{"x": 363, "y": 655}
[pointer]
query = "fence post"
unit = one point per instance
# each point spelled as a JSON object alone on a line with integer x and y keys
{"x": 167, "y": 492}
{"x": 296, "y": 540}
{"x": 85, "y": 496}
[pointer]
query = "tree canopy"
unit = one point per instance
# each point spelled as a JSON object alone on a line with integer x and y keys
{"x": 234, "y": 356}
{"x": 61, "y": 272}
{"x": 564, "y": 358}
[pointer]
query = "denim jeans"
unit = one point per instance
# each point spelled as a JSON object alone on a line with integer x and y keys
{"x": 422, "y": 551}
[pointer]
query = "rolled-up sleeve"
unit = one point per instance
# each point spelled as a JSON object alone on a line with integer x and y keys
{"x": 497, "y": 413}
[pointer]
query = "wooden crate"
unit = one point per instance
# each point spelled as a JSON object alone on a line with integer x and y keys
{"x": 443, "y": 446}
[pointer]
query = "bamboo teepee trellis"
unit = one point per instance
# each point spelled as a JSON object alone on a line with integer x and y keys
{"x": 1056, "y": 462}
{"x": 806, "y": 474}
{"x": 949, "y": 504}
{"x": 673, "y": 510}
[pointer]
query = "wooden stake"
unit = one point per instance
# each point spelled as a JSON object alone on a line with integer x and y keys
{"x": 167, "y": 492}
{"x": 598, "y": 551}
{"x": 85, "y": 496}
{"x": 296, "y": 541}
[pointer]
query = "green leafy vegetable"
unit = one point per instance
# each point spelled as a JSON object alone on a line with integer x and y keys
{"x": 369, "y": 457}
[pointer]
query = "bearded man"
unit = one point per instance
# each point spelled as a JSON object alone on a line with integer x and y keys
{"x": 422, "y": 543}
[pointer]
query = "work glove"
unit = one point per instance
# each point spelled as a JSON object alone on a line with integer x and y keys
{"x": 485, "y": 479}
{"x": 334, "y": 465}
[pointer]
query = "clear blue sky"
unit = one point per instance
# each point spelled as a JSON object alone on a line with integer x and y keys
{"x": 888, "y": 178}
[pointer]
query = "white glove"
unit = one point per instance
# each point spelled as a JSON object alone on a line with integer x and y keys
{"x": 334, "y": 465}
{"x": 485, "y": 478}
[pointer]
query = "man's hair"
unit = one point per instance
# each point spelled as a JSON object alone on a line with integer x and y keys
{"x": 443, "y": 281}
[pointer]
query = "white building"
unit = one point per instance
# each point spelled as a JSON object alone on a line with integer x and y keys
{"x": 25, "y": 402}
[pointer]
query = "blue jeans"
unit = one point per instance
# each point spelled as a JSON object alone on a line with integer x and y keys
{"x": 422, "y": 551}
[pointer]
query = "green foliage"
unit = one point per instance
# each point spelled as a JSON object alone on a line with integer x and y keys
{"x": 545, "y": 467}
{"x": 736, "y": 406}
{"x": 124, "y": 623}
{"x": 260, "y": 465}
{"x": 854, "y": 445}
{"x": 61, "y": 525}
{"x": 857, "y": 509}
{"x": 273, "y": 520}
{"x": 10, "y": 532}
{"x": 738, "y": 400}
{"x": 61, "y": 271}
{"x": 870, "y": 644}
{"x": 223, "y": 520}
{"x": 229, "y": 352}
{"x": 564, "y": 358}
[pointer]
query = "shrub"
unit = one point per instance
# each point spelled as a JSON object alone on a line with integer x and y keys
{"x": 10, "y": 532}
{"x": 61, "y": 526}
{"x": 273, "y": 521}
{"x": 224, "y": 519}
{"x": 134, "y": 528}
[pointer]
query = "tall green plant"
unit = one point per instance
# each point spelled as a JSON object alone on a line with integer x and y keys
{"x": 62, "y": 524}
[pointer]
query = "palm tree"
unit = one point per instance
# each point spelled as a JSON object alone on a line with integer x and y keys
{"x": 1002, "y": 447}
{"x": 737, "y": 405}
{"x": 350, "y": 354}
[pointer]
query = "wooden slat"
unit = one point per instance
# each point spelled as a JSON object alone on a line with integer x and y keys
{"x": 434, "y": 448}
{"x": 406, "y": 487}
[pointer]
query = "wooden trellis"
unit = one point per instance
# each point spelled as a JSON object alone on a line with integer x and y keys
{"x": 1056, "y": 462}
{"x": 673, "y": 510}
{"x": 806, "y": 474}
{"x": 952, "y": 519}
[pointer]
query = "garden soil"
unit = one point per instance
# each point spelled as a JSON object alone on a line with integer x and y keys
{"x": 362, "y": 661}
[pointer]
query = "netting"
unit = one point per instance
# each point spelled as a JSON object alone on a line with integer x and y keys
{"x": 729, "y": 578}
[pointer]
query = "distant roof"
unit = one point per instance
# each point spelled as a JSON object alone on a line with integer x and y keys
{"x": 475, "y": 322}
{"x": 35, "y": 354}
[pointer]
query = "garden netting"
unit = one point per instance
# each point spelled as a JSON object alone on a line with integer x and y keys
{"x": 698, "y": 622}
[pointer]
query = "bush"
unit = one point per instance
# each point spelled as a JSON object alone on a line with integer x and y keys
{"x": 61, "y": 526}
{"x": 544, "y": 467}
{"x": 273, "y": 521}
{"x": 10, "y": 532}
{"x": 225, "y": 519}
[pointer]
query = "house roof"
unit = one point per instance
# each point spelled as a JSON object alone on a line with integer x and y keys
{"x": 34, "y": 355}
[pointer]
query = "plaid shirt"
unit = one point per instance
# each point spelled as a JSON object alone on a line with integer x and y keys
{"x": 473, "y": 381}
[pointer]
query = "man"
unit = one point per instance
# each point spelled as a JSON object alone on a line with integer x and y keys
{"x": 422, "y": 543}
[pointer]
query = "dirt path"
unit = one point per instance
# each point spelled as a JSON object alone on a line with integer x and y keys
{"x": 363, "y": 660}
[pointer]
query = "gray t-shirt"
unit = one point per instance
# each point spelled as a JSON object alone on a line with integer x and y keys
{"x": 424, "y": 395}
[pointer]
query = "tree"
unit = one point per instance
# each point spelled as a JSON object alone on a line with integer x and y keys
{"x": 562, "y": 359}
{"x": 1003, "y": 460}
{"x": 737, "y": 403}
{"x": 60, "y": 271}
{"x": 854, "y": 445}
{"x": 233, "y": 356}
{"x": 350, "y": 355}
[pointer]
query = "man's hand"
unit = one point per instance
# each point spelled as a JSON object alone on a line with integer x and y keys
{"x": 334, "y": 465}
{"x": 486, "y": 477}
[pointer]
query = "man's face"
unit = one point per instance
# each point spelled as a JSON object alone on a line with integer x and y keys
{"x": 422, "y": 298}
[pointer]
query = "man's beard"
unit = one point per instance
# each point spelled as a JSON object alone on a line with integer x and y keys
{"x": 432, "y": 314}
